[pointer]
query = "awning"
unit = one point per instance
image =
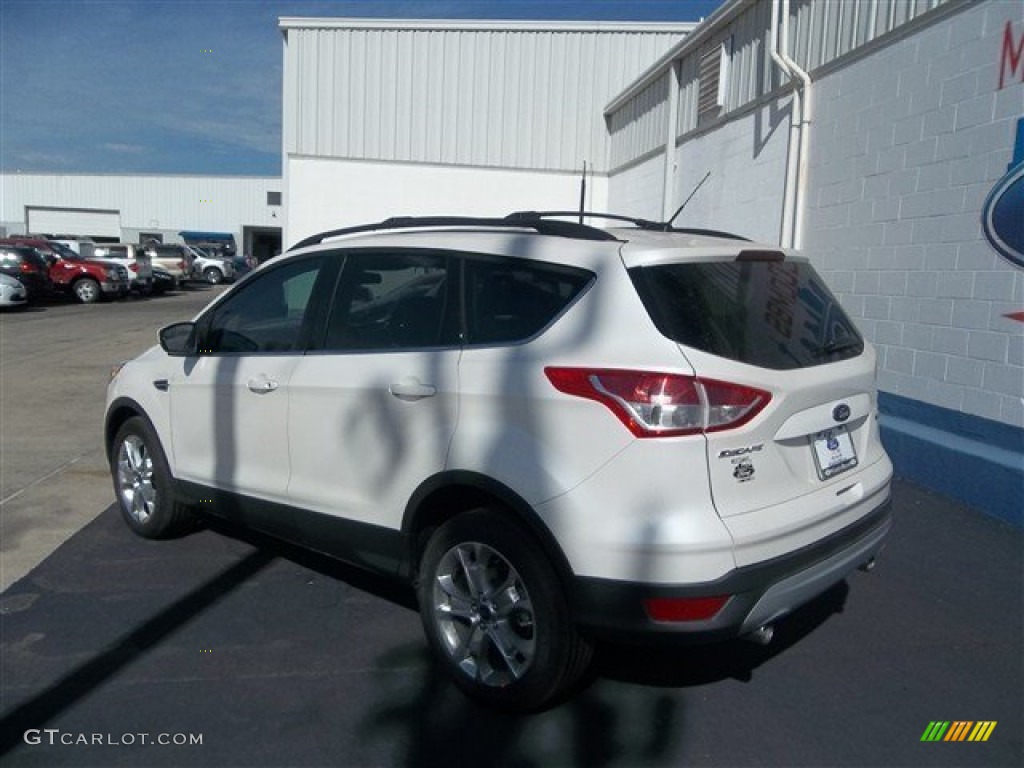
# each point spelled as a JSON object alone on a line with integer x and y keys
{"x": 208, "y": 237}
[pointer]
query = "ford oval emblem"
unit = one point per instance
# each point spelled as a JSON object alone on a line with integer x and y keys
{"x": 841, "y": 412}
{"x": 1002, "y": 215}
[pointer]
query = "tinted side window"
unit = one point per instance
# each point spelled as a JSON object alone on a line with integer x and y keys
{"x": 391, "y": 301}
{"x": 509, "y": 300}
{"x": 266, "y": 314}
{"x": 775, "y": 314}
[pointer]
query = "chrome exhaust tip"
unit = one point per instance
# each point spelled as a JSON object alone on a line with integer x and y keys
{"x": 762, "y": 635}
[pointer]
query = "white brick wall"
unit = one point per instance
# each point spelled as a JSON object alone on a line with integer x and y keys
{"x": 907, "y": 143}
{"x": 636, "y": 191}
{"x": 747, "y": 160}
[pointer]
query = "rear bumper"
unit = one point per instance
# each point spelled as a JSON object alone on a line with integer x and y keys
{"x": 759, "y": 593}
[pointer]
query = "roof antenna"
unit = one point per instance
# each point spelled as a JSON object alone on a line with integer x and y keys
{"x": 668, "y": 224}
{"x": 583, "y": 191}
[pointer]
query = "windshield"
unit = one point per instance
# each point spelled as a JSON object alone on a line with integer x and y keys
{"x": 774, "y": 314}
{"x": 63, "y": 250}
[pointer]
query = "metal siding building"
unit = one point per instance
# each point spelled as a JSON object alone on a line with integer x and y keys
{"x": 145, "y": 203}
{"x": 387, "y": 117}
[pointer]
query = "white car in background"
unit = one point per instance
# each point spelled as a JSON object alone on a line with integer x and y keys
{"x": 554, "y": 432}
{"x": 211, "y": 269}
{"x": 12, "y": 292}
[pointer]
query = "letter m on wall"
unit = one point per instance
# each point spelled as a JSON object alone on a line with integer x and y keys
{"x": 1011, "y": 62}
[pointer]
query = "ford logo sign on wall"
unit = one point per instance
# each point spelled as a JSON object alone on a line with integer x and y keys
{"x": 1002, "y": 215}
{"x": 841, "y": 412}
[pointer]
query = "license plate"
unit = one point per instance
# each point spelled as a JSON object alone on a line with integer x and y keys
{"x": 833, "y": 452}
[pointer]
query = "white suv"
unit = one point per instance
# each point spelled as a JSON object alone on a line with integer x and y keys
{"x": 556, "y": 432}
{"x": 210, "y": 268}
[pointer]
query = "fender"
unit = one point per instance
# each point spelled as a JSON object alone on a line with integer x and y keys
{"x": 475, "y": 489}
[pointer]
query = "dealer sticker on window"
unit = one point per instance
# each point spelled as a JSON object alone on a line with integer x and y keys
{"x": 833, "y": 452}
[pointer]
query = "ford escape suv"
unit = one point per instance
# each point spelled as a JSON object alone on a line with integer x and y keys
{"x": 556, "y": 432}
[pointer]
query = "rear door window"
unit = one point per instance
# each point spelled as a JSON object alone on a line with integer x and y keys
{"x": 392, "y": 300}
{"x": 773, "y": 314}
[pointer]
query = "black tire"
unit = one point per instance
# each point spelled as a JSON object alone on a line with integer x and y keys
{"x": 504, "y": 633}
{"x": 143, "y": 484}
{"x": 213, "y": 276}
{"x": 87, "y": 290}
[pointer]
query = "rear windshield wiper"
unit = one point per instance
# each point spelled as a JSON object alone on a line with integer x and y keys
{"x": 840, "y": 345}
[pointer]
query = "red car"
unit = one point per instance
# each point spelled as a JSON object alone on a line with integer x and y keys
{"x": 87, "y": 279}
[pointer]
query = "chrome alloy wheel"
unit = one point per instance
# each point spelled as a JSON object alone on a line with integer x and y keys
{"x": 484, "y": 614}
{"x": 135, "y": 478}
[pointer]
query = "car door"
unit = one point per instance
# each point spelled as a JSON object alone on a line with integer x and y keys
{"x": 229, "y": 405}
{"x": 373, "y": 405}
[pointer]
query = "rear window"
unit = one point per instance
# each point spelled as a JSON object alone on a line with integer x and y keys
{"x": 773, "y": 314}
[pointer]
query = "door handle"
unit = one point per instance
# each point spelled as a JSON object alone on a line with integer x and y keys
{"x": 261, "y": 385}
{"x": 412, "y": 389}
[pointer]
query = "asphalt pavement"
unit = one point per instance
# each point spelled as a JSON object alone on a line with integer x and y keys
{"x": 250, "y": 653}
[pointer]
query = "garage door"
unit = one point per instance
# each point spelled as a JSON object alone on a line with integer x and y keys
{"x": 84, "y": 222}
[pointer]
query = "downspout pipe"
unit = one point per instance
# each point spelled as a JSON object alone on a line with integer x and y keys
{"x": 668, "y": 179}
{"x": 786, "y": 236}
{"x": 806, "y": 113}
{"x": 799, "y": 129}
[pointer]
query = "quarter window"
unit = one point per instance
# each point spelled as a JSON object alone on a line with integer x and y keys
{"x": 509, "y": 300}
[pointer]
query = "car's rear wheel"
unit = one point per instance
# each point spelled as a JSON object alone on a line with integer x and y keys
{"x": 87, "y": 290}
{"x": 213, "y": 276}
{"x": 495, "y": 614}
{"x": 142, "y": 483}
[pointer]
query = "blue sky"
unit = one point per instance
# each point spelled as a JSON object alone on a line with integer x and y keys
{"x": 191, "y": 87}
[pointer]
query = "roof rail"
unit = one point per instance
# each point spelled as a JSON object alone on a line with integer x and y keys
{"x": 646, "y": 224}
{"x": 516, "y": 221}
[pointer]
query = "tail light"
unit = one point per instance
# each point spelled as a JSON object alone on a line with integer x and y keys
{"x": 652, "y": 404}
{"x": 181, "y": 265}
{"x": 27, "y": 267}
{"x": 133, "y": 267}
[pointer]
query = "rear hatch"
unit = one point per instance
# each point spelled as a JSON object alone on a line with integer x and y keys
{"x": 767, "y": 321}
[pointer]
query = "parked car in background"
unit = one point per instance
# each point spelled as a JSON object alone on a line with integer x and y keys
{"x": 28, "y": 266}
{"x": 46, "y": 249}
{"x": 211, "y": 269}
{"x": 163, "y": 281}
{"x": 88, "y": 280}
{"x": 12, "y": 292}
{"x": 131, "y": 257}
{"x": 173, "y": 258}
{"x": 243, "y": 264}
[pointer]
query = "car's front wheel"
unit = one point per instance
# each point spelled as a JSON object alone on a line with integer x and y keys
{"x": 213, "y": 276}
{"x": 142, "y": 483}
{"x": 87, "y": 290}
{"x": 495, "y": 614}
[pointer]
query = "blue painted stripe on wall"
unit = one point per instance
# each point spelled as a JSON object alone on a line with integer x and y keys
{"x": 977, "y": 461}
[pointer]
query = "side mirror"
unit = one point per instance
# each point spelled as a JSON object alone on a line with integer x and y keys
{"x": 179, "y": 339}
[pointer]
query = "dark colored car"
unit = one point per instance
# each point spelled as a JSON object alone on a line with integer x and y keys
{"x": 163, "y": 280}
{"x": 28, "y": 266}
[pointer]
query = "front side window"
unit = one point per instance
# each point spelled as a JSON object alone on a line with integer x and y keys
{"x": 267, "y": 314}
{"x": 388, "y": 300}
